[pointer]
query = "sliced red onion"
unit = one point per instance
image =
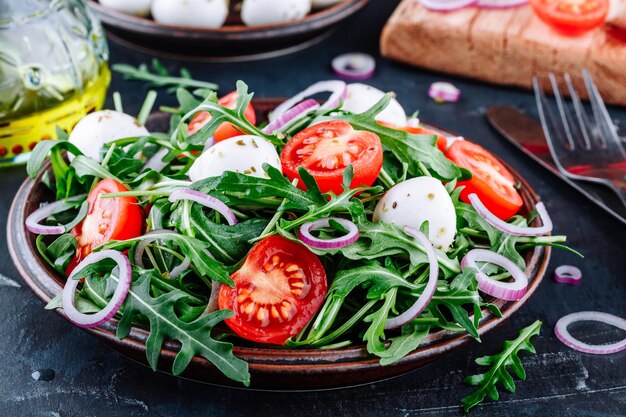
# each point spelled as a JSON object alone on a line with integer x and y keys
{"x": 179, "y": 269}
{"x": 148, "y": 238}
{"x": 354, "y": 66}
{"x": 444, "y": 92}
{"x": 47, "y": 210}
{"x": 295, "y": 113}
{"x": 123, "y": 285}
{"x": 511, "y": 228}
{"x": 205, "y": 200}
{"x": 446, "y": 5}
{"x": 509, "y": 291}
{"x": 308, "y": 239}
{"x": 561, "y": 332}
{"x": 431, "y": 286}
{"x": 413, "y": 122}
{"x": 337, "y": 88}
{"x": 500, "y": 4}
{"x": 156, "y": 161}
{"x": 568, "y": 274}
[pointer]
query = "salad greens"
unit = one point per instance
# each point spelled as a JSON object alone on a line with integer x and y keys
{"x": 371, "y": 280}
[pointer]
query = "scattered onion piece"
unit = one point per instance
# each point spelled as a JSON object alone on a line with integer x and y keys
{"x": 205, "y": 200}
{"x": 431, "y": 286}
{"x": 354, "y": 66}
{"x": 443, "y": 92}
{"x": 446, "y": 5}
{"x": 335, "y": 87}
{"x": 561, "y": 332}
{"x": 568, "y": 274}
{"x": 295, "y": 113}
{"x": 500, "y": 4}
{"x": 511, "y": 228}
{"x": 509, "y": 291}
{"x": 123, "y": 285}
{"x": 47, "y": 210}
{"x": 308, "y": 239}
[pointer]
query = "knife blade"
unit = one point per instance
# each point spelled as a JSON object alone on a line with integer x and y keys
{"x": 527, "y": 135}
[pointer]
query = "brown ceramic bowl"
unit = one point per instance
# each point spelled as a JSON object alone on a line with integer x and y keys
{"x": 232, "y": 42}
{"x": 271, "y": 368}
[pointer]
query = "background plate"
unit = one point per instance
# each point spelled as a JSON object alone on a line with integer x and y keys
{"x": 271, "y": 368}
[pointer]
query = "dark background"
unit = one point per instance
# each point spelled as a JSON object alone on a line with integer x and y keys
{"x": 92, "y": 380}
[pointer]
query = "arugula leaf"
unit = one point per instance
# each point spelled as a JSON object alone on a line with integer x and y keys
{"x": 194, "y": 249}
{"x": 377, "y": 278}
{"x": 160, "y": 76}
{"x": 412, "y": 335}
{"x": 41, "y": 151}
{"x": 408, "y": 148}
{"x": 195, "y": 337}
{"x": 59, "y": 253}
{"x": 498, "y": 372}
{"x": 375, "y": 333}
{"x": 85, "y": 167}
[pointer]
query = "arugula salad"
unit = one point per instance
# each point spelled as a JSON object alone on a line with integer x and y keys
{"x": 333, "y": 224}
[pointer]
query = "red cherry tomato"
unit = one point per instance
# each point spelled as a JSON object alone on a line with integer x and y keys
{"x": 442, "y": 142}
{"x": 572, "y": 16}
{"x": 225, "y": 130}
{"x": 327, "y": 148}
{"x": 116, "y": 218}
{"x": 491, "y": 181}
{"x": 278, "y": 290}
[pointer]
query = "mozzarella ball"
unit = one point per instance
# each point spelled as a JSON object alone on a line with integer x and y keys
{"x": 98, "y": 128}
{"x": 267, "y": 12}
{"x": 243, "y": 154}
{"x": 361, "y": 97}
{"x": 319, "y": 4}
{"x": 132, "y": 7}
{"x": 415, "y": 201}
{"x": 199, "y": 13}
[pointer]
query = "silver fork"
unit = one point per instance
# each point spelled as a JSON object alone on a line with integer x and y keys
{"x": 584, "y": 147}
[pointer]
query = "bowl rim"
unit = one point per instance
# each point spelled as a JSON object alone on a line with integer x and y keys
{"x": 315, "y": 17}
{"x": 46, "y": 284}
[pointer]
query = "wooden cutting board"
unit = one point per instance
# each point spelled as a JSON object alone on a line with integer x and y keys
{"x": 505, "y": 46}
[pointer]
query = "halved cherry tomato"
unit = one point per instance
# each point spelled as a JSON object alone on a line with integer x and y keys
{"x": 442, "y": 142}
{"x": 225, "y": 130}
{"x": 491, "y": 181}
{"x": 327, "y": 148}
{"x": 572, "y": 16}
{"x": 107, "y": 219}
{"x": 278, "y": 290}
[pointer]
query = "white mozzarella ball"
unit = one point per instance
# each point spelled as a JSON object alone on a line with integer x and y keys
{"x": 318, "y": 4}
{"x": 101, "y": 127}
{"x": 243, "y": 154}
{"x": 267, "y": 12}
{"x": 415, "y": 201}
{"x": 199, "y": 13}
{"x": 361, "y": 97}
{"x": 132, "y": 7}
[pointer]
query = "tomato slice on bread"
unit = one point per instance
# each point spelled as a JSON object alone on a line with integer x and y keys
{"x": 572, "y": 16}
{"x": 442, "y": 142}
{"x": 225, "y": 130}
{"x": 491, "y": 181}
{"x": 278, "y": 290}
{"x": 116, "y": 218}
{"x": 326, "y": 149}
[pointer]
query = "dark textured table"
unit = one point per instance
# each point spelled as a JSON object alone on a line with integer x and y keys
{"x": 91, "y": 380}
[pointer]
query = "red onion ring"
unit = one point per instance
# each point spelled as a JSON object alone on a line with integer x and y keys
{"x": 156, "y": 161}
{"x": 444, "y": 92}
{"x": 413, "y": 122}
{"x": 510, "y": 291}
{"x": 336, "y": 87}
{"x": 205, "y": 200}
{"x": 500, "y": 4}
{"x": 561, "y": 332}
{"x": 354, "y": 66}
{"x": 104, "y": 315}
{"x": 45, "y": 211}
{"x": 308, "y": 239}
{"x": 446, "y": 5}
{"x": 180, "y": 268}
{"x": 568, "y": 274}
{"x": 295, "y": 113}
{"x": 511, "y": 228}
{"x": 431, "y": 286}
{"x": 148, "y": 238}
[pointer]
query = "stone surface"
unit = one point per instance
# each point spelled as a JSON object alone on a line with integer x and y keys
{"x": 92, "y": 380}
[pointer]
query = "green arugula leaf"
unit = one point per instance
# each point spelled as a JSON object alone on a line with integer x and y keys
{"x": 41, "y": 151}
{"x": 498, "y": 372}
{"x": 413, "y": 334}
{"x": 195, "y": 337}
{"x": 375, "y": 333}
{"x": 59, "y": 253}
{"x": 88, "y": 167}
{"x": 377, "y": 278}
